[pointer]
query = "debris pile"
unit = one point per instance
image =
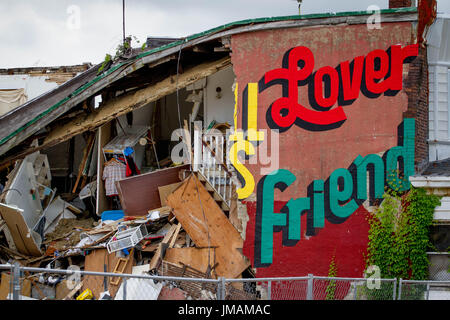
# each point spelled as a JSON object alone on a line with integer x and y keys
{"x": 171, "y": 223}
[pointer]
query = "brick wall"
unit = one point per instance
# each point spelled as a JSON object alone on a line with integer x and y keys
{"x": 416, "y": 87}
{"x": 400, "y": 3}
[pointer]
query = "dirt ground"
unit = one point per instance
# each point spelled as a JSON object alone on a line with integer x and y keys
{"x": 67, "y": 233}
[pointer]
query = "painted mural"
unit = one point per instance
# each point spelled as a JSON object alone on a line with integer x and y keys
{"x": 341, "y": 138}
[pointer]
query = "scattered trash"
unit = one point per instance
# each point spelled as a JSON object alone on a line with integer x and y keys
{"x": 162, "y": 233}
{"x": 86, "y": 295}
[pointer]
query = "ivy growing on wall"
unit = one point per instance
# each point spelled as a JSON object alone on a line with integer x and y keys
{"x": 331, "y": 287}
{"x": 399, "y": 233}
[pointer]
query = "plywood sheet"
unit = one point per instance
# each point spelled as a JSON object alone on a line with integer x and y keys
{"x": 96, "y": 261}
{"x": 139, "y": 194}
{"x": 21, "y": 234}
{"x": 164, "y": 191}
{"x": 199, "y": 259}
{"x": 5, "y": 286}
{"x": 207, "y": 225}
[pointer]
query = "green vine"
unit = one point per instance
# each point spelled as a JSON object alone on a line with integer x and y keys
{"x": 108, "y": 59}
{"x": 332, "y": 272}
{"x": 399, "y": 232}
{"x": 123, "y": 50}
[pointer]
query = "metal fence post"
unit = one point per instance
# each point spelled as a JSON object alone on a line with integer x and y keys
{"x": 15, "y": 274}
{"x": 223, "y": 289}
{"x": 428, "y": 291}
{"x": 269, "y": 290}
{"x": 394, "y": 294}
{"x": 400, "y": 290}
{"x": 124, "y": 282}
{"x": 309, "y": 292}
{"x": 355, "y": 291}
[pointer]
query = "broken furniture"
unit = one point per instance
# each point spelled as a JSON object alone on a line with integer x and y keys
{"x": 139, "y": 194}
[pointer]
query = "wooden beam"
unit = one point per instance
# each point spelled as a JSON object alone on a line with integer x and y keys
{"x": 124, "y": 104}
{"x": 86, "y": 151}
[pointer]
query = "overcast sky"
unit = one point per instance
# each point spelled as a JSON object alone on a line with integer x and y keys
{"x": 66, "y": 32}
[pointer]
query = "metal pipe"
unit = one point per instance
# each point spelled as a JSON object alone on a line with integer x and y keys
{"x": 110, "y": 274}
{"x": 124, "y": 281}
{"x": 394, "y": 294}
{"x": 16, "y": 281}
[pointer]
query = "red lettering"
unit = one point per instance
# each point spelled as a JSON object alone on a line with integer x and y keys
{"x": 373, "y": 76}
{"x": 293, "y": 109}
{"x": 381, "y": 75}
{"x": 398, "y": 57}
{"x": 351, "y": 87}
{"x": 334, "y": 87}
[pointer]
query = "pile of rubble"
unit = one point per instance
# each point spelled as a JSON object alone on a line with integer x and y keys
{"x": 171, "y": 224}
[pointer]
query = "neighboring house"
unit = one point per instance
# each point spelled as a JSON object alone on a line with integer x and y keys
{"x": 19, "y": 85}
{"x": 435, "y": 176}
{"x": 309, "y": 112}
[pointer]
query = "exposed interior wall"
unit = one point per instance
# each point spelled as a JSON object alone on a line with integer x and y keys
{"x": 219, "y": 106}
{"x": 103, "y": 136}
{"x": 34, "y": 85}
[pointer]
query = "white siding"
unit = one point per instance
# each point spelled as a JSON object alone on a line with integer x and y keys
{"x": 439, "y": 75}
{"x": 34, "y": 85}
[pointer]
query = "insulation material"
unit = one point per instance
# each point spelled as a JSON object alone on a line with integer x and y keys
{"x": 58, "y": 209}
{"x": 10, "y": 99}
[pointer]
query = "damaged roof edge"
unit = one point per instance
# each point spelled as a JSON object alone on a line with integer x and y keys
{"x": 7, "y": 142}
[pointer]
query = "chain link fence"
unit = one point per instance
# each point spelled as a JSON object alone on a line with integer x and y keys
{"x": 20, "y": 283}
{"x": 439, "y": 267}
{"x": 424, "y": 290}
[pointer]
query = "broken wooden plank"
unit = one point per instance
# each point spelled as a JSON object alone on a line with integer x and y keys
{"x": 74, "y": 291}
{"x": 139, "y": 194}
{"x": 164, "y": 243}
{"x": 104, "y": 136}
{"x": 199, "y": 259}
{"x": 22, "y": 235}
{"x": 14, "y": 253}
{"x": 119, "y": 268}
{"x": 207, "y": 225}
{"x": 86, "y": 151}
{"x": 175, "y": 235}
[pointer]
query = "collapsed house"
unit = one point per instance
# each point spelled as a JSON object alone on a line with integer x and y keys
{"x": 98, "y": 169}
